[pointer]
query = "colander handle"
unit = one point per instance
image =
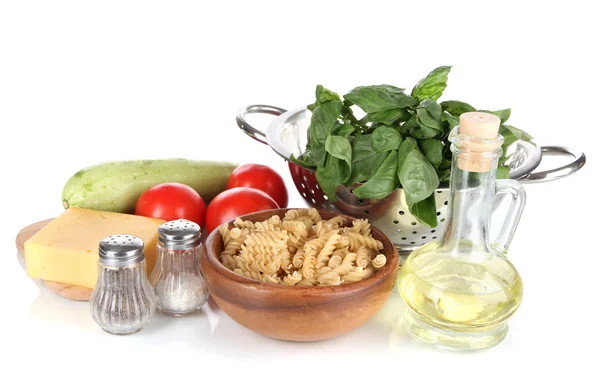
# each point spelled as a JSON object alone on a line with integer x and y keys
{"x": 256, "y": 109}
{"x": 516, "y": 192}
{"x": 556, "y": 173}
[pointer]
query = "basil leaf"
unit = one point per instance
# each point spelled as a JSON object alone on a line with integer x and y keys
{"x": 407, "y": 127}
{"x": 434, "y": 108}
{"x": 444, "y": 175}
{"x": 379, "y": 98}
{"x": 432, "y": 149}
{"x": 389, "y": 117}
{"x": 517, "y": 133}
{"x": 425, "y": 211}
{"x": 502, "y": 172}
{"x": 445, "y": 164}
{"x": 342, "y": 129}
{"x": 418, "y": 177}
{"x": 385, "y": 139}
{"x": 332, "y": 173}
{"x": 425, "y": 118}
{"x": 457, "y": 107}
{"x": 340, "y": 148}
{"x": 321, "y": 123}
{"x": 383, "y": 182}
{"x": 502, "y": 114}
{"x": 433, "y": 85}
{"x": 425, "y": 132}
{"x": 365, "y": 161}
{"x": 452, "y": 120}
{"x": 324, "y": 95}
{"x": 409, "y": 144}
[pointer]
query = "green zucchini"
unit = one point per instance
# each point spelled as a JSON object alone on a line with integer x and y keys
{"x": 116, "y": 186}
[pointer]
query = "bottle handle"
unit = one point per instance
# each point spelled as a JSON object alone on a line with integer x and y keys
{"x": 517, "y": 195}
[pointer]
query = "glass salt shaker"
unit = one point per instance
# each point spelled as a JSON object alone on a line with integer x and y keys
{"x": 176, "y": 278}
{"x": 123, "y": 301}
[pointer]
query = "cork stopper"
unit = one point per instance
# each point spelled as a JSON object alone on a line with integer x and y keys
{"x": 481, "y": 130}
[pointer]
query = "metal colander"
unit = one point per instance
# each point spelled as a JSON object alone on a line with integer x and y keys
{"x": 287, "y": 135}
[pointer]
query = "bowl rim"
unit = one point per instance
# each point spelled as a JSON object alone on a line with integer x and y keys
{"x": 378, "y": 277}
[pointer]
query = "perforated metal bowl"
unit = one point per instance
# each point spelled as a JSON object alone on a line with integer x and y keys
{"x": 287, "y": 135}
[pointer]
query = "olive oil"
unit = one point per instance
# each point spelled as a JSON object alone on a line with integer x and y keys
{"x": 461, "y": 291}
{"x": 458, "y": 293}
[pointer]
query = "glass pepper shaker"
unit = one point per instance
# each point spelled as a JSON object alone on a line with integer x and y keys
{"x": 123, "y": 301}
{"x": 176, "y": 278}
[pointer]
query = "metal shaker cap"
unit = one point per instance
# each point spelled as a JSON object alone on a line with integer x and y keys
{"x": 179, "y": 234}
{"x": 121, "y": 250}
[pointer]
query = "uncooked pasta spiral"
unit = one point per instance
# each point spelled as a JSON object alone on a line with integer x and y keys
{"x": 267, "y": 238}
{"x": 363, "y": 257}
{"x": 294, "y": 214}
{"x": 270, "y": 278}
{"x": 330, "y": 279}
{"x": 355, "y": 275}
{"x": 336, "y": 258}
{"x": 239, "y": 223}
{"x": 310, "y": 260}
{"x": 292, "y": 279}
{"x": 298, "y": 258}
{"x": 314, "y": 215}
{"x": 293, "y": 226}
{"x": 379, "y": 261}
{"x": 327, "y": 250}
{"x": 357, "y": 240}
{"x": 336, "y": 222}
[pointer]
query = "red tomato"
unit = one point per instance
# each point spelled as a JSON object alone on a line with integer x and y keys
{"x": 172, "y": 201}
{"x": 262, "y": 178}
{"x": 236, "y": 202}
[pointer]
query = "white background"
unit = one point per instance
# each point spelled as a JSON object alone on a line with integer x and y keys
{"x": 84, "y": 82}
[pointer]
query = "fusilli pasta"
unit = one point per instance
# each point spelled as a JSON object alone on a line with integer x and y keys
{"x": 301, "y": 249}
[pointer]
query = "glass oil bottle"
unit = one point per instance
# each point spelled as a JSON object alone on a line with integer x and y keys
{"x": 460, "y": 291}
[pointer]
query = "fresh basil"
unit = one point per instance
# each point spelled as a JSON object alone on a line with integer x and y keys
{"x": 379, "y": 98}
{"x": 385, "y": 139}
{"x": 383, "y": 182}
{"x": 517, "y": 133}
{"x": 342, "y": 129}
{"x": 502, "y": 114}
{"x": 408, "y": 145}
{"x": 321, "y": 123}
{"x": 331, "y": 174}
{"x": 425, "y": 211}
{"x": 411, "y": 129}
{"x": 433, "y": 85}
{"x": 365, "y": 161}
{"x": 389, "y": 117}
{"x": 452, "y": 120}
{"x": 502, "y": 172}
{"x": 324, "y": 95}
{"x": 340, "y": 148}
{"x": 434, "y": 108}
{"x": 418, "y": 177}
{"x": 432, "y": 149}
{"x": 425, "y": 118}
{"x": 457, "y": 107}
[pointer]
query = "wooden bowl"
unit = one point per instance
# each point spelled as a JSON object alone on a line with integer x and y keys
{"x": 297, "y": 313}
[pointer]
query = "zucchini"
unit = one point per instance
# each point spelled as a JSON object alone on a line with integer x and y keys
{"x": 116, "y": 186}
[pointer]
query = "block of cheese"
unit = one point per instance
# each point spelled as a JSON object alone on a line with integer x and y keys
{"x": 66, "y": 250}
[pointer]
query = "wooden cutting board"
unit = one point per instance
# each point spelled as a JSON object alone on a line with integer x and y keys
{"x": 65, "y": 290}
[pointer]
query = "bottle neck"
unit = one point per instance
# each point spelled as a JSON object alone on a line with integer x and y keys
{"x": 471, "y": 197}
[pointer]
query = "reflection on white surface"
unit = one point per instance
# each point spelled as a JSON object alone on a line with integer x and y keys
{"x": 211, "y": 330}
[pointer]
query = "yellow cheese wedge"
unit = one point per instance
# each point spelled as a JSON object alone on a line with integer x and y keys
{"x": 66, "y": 250}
